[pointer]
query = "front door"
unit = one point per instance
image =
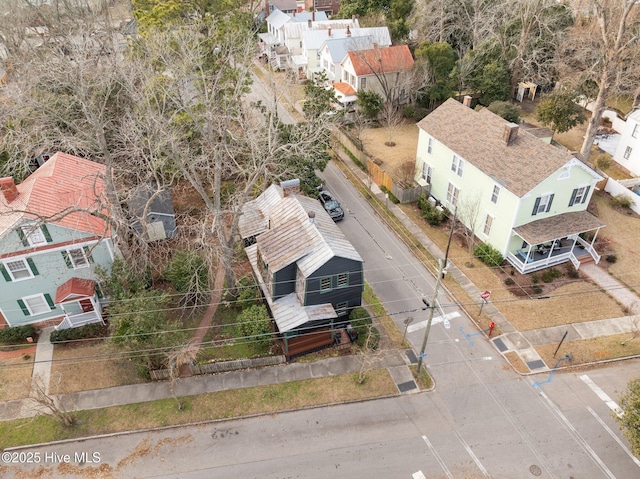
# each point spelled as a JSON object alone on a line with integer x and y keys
{"x": 86, "y": 305}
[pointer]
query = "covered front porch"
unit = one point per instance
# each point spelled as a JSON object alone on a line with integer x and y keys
{"x": 77, "y": 298}
{"x": 555, "y": 240}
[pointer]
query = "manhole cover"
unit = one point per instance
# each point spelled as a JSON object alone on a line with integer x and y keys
{"x": 535, "y": 470}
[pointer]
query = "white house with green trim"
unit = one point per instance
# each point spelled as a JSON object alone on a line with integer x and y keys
{"x": 53, "y": 234}
{"x": 526, "y": 198}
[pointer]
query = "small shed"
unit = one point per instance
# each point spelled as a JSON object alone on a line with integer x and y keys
{"x": 160, "y": 215}
{"x": 526, "y": 90}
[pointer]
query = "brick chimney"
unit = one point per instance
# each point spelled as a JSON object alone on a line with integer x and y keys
{"x": 290, "y": 187}
{"x": 329, "y": 31}
{"x": 466, "y": 101}
{"x": 510, "y": 133}
{"x": 9, "y": 189}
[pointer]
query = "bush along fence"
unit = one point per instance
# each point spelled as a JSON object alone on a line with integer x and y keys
{"x": 223, "y": 366}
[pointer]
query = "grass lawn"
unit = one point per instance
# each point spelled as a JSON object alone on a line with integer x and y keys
{"x": 89, "y": 365}
{"x": 15, "y": 378}
{"x": 226, "y": 404}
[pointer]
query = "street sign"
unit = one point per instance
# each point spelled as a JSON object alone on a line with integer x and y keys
{"x": 486, "y": 295}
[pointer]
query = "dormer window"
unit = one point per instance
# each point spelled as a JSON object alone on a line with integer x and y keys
{"x": 34, "y": 235}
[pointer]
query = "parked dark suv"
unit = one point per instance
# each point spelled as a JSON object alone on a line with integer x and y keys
{"x": 331, "y": 205}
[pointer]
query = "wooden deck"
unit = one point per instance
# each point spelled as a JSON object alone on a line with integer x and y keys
{"x": 314, "y": 341}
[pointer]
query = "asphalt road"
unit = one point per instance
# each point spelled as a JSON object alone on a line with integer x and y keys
{"x": 482, "y": 420}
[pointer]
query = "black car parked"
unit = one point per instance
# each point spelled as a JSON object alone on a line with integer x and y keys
{"x": 331, "y": 205}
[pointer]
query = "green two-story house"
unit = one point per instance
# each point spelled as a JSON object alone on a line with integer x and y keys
{"x": 52, "y": 236}
{"x": 526, "y": 198}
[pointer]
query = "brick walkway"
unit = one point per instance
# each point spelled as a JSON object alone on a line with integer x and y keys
{"x": 16, "y": 353}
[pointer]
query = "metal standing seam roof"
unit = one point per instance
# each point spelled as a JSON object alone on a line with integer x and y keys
{"x": 477, "y": 137}
{"x": 255, "y": 213}
{"x": 287, "y": 311}
{"x": 64, "y": 182}
{"x": 313, "y": 39}
{"x": 339, "y": 48}
{"x": 278, "y": 18}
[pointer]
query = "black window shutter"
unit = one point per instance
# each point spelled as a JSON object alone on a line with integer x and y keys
{"x": 32, "y": 265}
{"x": 23, "y": 307}
{"x": 549, "y": 204}
{"x": 573, "y": 197}
{"x": 535, "y": 207}
{"x": 45, "y": 232}
{"x": 23, "y": 237}
{"x": 67, "y": 260}
{"x": 586, "y": 194}
{"x": 49, "y": 301}
{"x": 5, "y": 273}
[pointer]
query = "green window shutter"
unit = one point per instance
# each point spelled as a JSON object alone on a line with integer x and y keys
{"x": 573, "y": 197}
{"x": 23, "y": 237}
{"x": 23, "y": 307}
{"x": 549, "y": 204}
{"x": 45, "y": 232}
{"x": 87, "y": 253}
{"x": 49, "y": 301}
{"x": 67, "y": 260}
{"x": 535, "y": 207}
{"x": 99, "y": 292}
{"x": 5, "y": 273}
{"x": 586, "y": 194}
{"x": 31, "y": 264}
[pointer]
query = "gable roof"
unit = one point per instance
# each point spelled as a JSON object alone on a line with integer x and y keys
{"x": 477, "y": 137}
{"x": 287, "y": 234}
{"x": 313, "y": 39}
{"x": 339, "y": 47}
{"x": 63, "y": 183}
{"x": 277, "y": 18}
{"x": 384, "y": 60}
{"x": 343, "y": 88}
{"x": 74, "y": 289}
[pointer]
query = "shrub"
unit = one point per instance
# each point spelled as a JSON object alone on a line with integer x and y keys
{"x": 17, "y": 334}
{"x": 361, "y": 321}
{"x": 572, "y": 272}
{"x": 611, "y": 258}
{"x": 535, "y": 279}
{"x": 353, "y": 157}
{"x": 549, "y": 275}
{"x": 249, "y": 293}
{"x": 429, "y": 212}
{"x": 622, "y": 201}
{"x": 488, "y": 254}
{"x": 188, "y": 274}
{"x": 509, "y": 282}
{"x": 409, "y": 112}
{"x": 255, "y": 324}
{"x": 603, "y": 161}
{"x": 392, "y": 197}
{"x": 88, "y": 331}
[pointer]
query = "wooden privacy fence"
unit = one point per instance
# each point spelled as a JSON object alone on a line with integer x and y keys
{"x": 378, "y": 175}
{"x": 404, "y": 194}
{"x": 223, "y": 366}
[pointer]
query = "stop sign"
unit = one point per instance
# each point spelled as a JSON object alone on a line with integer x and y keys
{"x": 485, "y": 295}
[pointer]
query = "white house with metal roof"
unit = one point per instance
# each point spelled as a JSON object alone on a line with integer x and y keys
{"x": 310, "y": 274}
{"x": 627, "y": 153}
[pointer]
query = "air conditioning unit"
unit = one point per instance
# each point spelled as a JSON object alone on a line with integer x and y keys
{"x": 439, "y": 209}
{"x": 432, "y": 201}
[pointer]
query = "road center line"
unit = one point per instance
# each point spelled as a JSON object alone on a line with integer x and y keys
{"x": 602, "y": 395}
{"x": 438, "y": 458}
{"x": 473, "y": 456}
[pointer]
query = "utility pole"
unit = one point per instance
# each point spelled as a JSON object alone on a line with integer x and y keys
{"x": 431, "y": 307}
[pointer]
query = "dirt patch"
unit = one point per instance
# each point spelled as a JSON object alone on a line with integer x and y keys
{"x": 89, "y": 366}
{"x": 517, "y": 363}
{"x": 391, "y": 151}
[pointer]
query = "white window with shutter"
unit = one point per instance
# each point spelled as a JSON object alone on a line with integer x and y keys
{"x": 36, "y": 304}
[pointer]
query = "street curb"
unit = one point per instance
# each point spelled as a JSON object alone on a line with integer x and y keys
{"x": 202, "y": 423}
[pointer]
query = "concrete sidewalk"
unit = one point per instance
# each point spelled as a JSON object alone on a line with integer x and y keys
{"x": 396, "y": 361}
{"x": 512, "y": 340}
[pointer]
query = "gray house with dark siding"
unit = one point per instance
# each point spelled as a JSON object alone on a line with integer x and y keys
{"x": 311, "y": 276}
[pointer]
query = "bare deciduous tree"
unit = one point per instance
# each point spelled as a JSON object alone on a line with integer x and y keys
{"x": 602, "y": 48}
{"x": 52, "y": 405}
{"x": 176, "y": 360}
